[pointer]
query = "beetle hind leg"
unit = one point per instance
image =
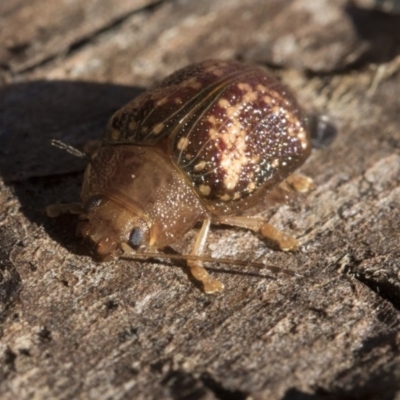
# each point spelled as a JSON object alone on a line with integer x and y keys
{"x": 282, "y": 193}
{"x": 299, "y": 183}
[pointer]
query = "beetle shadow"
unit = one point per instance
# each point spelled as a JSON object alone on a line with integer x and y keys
{"x": 379, "y": 30}
{"x": 34, "y": 113}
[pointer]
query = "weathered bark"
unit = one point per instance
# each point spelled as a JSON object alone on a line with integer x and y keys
{"x": 75, "y": 328}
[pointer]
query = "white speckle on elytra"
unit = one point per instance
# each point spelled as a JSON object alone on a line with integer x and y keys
{"x": 115, "y": 134}
{"x": 224, "y": 103}
{"x": 275, "y": 163}
{"x": 249, "y": 93}
{"x": 261, "y": 88}
{"x": 162, "y": 102}
{"x": 212, "y": 120}
{"x": 183, "y": 143}
{"x": 269, "y": 100}
{"x": 158, "y": 128}
{"x": 234, "y": 157}
{"x": 251, "y": 186}
{"x": 200, "y": 166}
{"x": 205, "y": 190}
{"x": 192, "y": 83}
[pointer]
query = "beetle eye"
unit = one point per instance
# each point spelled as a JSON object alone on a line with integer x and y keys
{"x": 93, "y": 203}
{"x": 135, "y": 238}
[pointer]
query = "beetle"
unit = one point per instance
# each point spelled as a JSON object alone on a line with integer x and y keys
{"x": 206, "y": 145}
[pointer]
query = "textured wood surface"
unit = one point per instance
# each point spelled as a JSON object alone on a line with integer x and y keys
{"x": 74, "y": 328}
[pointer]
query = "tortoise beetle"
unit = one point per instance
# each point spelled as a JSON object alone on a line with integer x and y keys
{"x": 209, "y": 142}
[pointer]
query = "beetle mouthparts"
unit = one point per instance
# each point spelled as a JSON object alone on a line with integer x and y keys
{"x": 104, "y": 246}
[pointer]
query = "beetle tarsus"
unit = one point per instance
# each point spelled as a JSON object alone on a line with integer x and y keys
{"x": 282, "y": 240}
{"x": 55, "y": 210}
{"x": 300, "y": 183}
{"x": 210, "y": 285}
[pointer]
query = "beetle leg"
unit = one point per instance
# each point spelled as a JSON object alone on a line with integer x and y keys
{"x": 282, "y": 240}
{"x": 299, "y": 183}
{"x": 198, "y": 272}
{"x": 55, "y": 210}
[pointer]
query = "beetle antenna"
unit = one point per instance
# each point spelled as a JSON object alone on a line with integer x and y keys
{"x": 70, "y": 150}
{"x": 191, "y": 257}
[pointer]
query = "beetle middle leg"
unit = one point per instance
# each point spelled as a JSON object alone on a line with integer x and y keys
{"x": 282, "y": 240}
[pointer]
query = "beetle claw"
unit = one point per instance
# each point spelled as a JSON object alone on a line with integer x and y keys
{"x": 210, "y": 285}
{"x": 55, "y": 210}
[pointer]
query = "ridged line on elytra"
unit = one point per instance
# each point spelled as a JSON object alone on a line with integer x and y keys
{"x": 220, "y": 86}
{"x": 193, "y": 104}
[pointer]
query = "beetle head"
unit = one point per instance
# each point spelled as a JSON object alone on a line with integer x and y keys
{"x": 107, "y": 224}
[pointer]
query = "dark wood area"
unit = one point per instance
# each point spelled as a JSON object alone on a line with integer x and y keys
{"x": 74, "y": 328}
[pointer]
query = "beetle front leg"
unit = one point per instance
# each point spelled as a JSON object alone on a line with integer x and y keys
{"x": 210, "y": 285}
{"x": 55, "y": 210}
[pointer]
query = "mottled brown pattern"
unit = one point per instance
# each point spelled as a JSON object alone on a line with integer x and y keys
{"x": 166, "y": 104}
{"x": 231, "y": 127}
